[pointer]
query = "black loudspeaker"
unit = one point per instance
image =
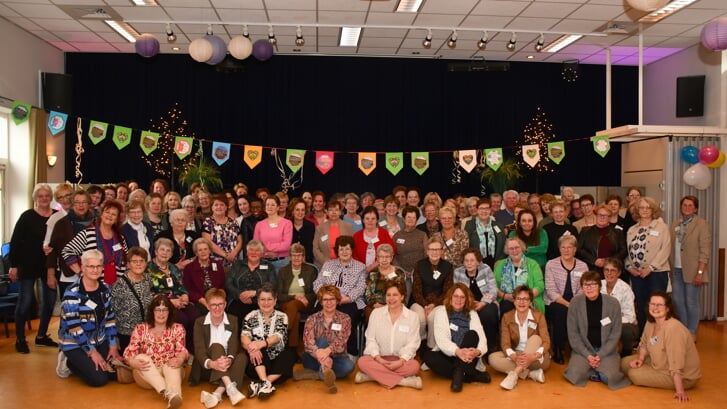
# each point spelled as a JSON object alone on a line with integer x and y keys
{"x": 690, "y": 96}
{"x": 57, "y": 92}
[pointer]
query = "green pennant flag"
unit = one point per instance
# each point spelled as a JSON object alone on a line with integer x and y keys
{"x": 122, "y": 137}
{"x": 183, "y": 146}
{"x": 294, "y": 158}
{"x": 493, "y": 158}
{"x": 601, "y": 144}
{"x": 394, "y": 162}
{"x": 97, "y": 131}
{"x": 20, "y": 112}
{"x": 149, "y": 141}
{"x": 420, "y": 162}
{"x": 556, "y": 151}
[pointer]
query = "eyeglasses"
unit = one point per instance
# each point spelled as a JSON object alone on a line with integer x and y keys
{"x": 137, "y": 261}
{"x": 328, "y": 299}
{"x": 80, "y": 202}
{"x": 161, "y": 309}
{"x": 533, "y": 203}
{"x": 66, "y": 196}
{"x": 603, "y": 215}
{"x": 98, "y": 267}
{"x": 589, "y": 285}
{"x": 586, "y": 204}
{"x": 656, "y": 305}
{"x": 522, "y": 299}
{"x": 217, "y": 305}
{"x": 437, "y": 249}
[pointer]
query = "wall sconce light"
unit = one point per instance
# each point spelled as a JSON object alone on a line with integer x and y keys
{"x": 52, "y": 159}
{"x": 540, "y": 44}
{"x": 452, "y": 43}
{"x": 271, "y": 36}
{"x": 511, "y": 44}
{"x": 299, "y": 40}
{"x": 482, "y": 44}
{"x": 427, "y": 43}
{"x": 170, "y": 34}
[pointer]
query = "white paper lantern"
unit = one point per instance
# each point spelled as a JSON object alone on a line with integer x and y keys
{"x": 200, "y": 50}
{"x": 240, "y": 47}
{"x": 647, "y": 5}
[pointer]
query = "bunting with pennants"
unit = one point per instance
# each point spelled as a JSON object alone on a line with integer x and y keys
{"x": 183, "y": 146}
{"x": 556, "y": 151}
{"x": 468, "y": 159}
{"x": 324, "y": 161}
{"x": 394, "y": 162}
{"x": 253, "y": 155}
{"x": 367, "y": 162}
{"x": 420, "y": 162}
{"x": 149, "y": 141}
{"x": 97, "y": 131}
{"x": 121, "y": 137}
{"x": 493, "y": 158}
{"x": 220, "y": 152}
{"x": 57, "y": 122}
{"x": 531, "y": 154}
{"x": 602, "y": 144}
{"x": 294, "y": 158}
{"x": 20, "y": 112}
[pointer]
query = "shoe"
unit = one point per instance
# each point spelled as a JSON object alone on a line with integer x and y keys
{"x": 424, "y": 367}
{"x": 22, "y": 347}
{"x": 210, "y": 400}
{"x": 329, "y": 379}
{"x": 173, "y": 399}
{"x": 305, "y": 374}
{"x": 558, "y": 358}
{"x": 595, "y": 377}
{"x": 62, "y": 366}
{"x": 483, "y": 377}
{"x": 253, "y": 389}
{"x": 266, "y": 390}
{"x": 524, "y": 374}
{"x": 411, "y": 382}
{"x": 510, "y": 381}
{"x": 457, "y": 380}
{"x": 190, "y": 360}
{"x": 45, "y": 341}
{"x": 362, "y": 377}
{"x": 537, "y": 375}
{"x": 234, "y": 394}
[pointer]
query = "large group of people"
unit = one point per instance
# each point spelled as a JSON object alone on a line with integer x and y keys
{"x": 241, "y": 285}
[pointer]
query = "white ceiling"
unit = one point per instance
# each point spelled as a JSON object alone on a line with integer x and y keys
{"x": 385, "y": 33}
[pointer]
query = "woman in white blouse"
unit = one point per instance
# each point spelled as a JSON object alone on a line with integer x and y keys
{"x": 618, "y": 289}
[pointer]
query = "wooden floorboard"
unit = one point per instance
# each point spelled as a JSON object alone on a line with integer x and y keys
{"x": 29, "y": 381}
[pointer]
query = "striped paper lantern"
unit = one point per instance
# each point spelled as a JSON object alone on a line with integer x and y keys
{"x": 714, "y": 34}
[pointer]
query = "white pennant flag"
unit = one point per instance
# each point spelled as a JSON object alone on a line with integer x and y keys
{"x": 531, "y": 154}
{"x": 468, "y": 159}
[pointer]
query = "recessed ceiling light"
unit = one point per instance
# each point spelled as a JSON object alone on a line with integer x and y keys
{"x": 145, "y": 2}
{"x": 175, "y": 48}
{"x": 561, "y": 42}
{"x": 530, "y": 57}
{"x": 124, "y": 29}
{"x": 408, "y": 6}
{"x": 665, "y": 11}
{"x": 349, "y": 36}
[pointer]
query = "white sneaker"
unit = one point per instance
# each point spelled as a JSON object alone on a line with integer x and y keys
{"x": 253, "y": 389}
{"x": 210, "y": 400}
{"x": 234, "y": 394}
{"x": 424, "y": 367}
{"x": 411, "y": 382}
{"x": 266, "y": 389}
{"x": 174, "y": 400}
{"x": 62, "y": 366}
{"x": 537, "y": 375}
{"x": 362, "y": 377}
{"x": 510, "y": 381}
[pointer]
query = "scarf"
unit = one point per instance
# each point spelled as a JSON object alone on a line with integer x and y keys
{"x": 487, "y": 238}
{"x": 683, "y": 227}
{"x": 141, "y": 234}
{"x": 462, "y": 322}
{"x": 512, "y": 276}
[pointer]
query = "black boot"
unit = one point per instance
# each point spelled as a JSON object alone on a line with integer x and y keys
{"x": 457, "y": 379}
{"x": 558, "y": 356}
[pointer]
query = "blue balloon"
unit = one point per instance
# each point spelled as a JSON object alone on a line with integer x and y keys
{"x": 690, "y": 154}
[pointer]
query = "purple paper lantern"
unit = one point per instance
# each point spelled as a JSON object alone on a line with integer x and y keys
{"x": 714, "y": 34}
{"x": 147, "y": 45}
{"x": 262, "y": 50}
{"x": 219, "y": 50}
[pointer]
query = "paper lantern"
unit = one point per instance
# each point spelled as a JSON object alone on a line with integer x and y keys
{"x": 647, "y": 5}
{"x": 240, "y": 47}
{"x": 714, "y": 34}
{"x": 219, "y": 50}
{"x": 200, "y": 50}
{"x": 147, "y": 45}
{"x": 262, "y": 50}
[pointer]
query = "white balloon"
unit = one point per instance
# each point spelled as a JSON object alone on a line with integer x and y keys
{"x": 698, "y": 176}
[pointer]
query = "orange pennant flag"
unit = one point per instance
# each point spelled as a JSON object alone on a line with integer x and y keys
{"x": 367, "y": 162}
{"x": 252, "y": 155}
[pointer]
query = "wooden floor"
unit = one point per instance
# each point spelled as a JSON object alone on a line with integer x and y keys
{"x": 29, "y": 381}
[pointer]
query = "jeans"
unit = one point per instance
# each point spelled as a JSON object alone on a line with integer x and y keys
{"x": 686, "y": 301}
{"x": 26, "y": 295}
{"x": 643, "y": 287}
{"x": 342, "y": 365}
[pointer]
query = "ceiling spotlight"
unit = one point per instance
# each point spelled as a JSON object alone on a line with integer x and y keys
{"x": 299, "y": 40}
{"x": 271, "y": 36}
{"x": 540, "y": 44}
{"x": 452, "y": 43}
{"x": 512, "y": 42}
{"x": 482, "y": 44}
{"x": 209, "y": 29}
{"x": 170, "y": 34}
{"x": 245, "y": 33}
{"x": 427, "y": 43}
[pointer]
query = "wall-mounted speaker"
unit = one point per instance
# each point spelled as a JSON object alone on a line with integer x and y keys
{"x": 690, "y": 96}
{"x": 57, "y": 92}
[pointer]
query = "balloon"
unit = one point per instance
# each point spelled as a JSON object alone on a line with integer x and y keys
{"x": 698, "y": 176}
{"x": 262, "y": 50}
{"x": 719, "y": 162}
{"x": 690, "y": 154}
{"x": 708, "y": 154}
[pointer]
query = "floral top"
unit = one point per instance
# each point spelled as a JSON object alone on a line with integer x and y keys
{"x": 375, "y": 285}
{"x": 337, "y": 333}
{"x": 160, "y": 350}
{"x": 255, "y": 328}
{"x": 223, "y": 235}
{"x": 169, "y": 285}
{"x": 454, "y": 246}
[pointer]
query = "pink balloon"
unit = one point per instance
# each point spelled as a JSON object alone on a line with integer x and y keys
{"x": 708, "y": 154}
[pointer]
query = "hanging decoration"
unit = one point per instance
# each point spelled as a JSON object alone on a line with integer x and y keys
{"x": 538, "y": 131}
{"x": 456, "y": 173}
{"x": 367, "y": 162}
{"x": 121, "y": 137}
{"x": 149, "y": 141}
{"x": 79, "y": 150}
{"x": 220, "y": 152}
{"x": 262, "y": 50}
{"x": 324, "y": 161}
{"x": 493, "y": 158}
{"x": 556, "y": 151}
{"x": 647, "y": 5}
{"x": 163, "y": 159}
{"x": 294, "y": 158}
{"x": 97, "y": 131}
{"x": 714, "y": 34}
{"x": 719, "y": 162}
{"x": 531, "y": 155}
{"x": 698, "y": 176}
{"x": 468, "y": 159}
{"x": 601, "y": 144}
{"x": 287, "y": 183}
{"x": 147, "y": 45}
{"x": 57, "y": 122}
{"x": 20, "y": 111}
{"x": 183, "y": 146}
{"x": 394, "y": 162}
{"x": 690, "y": 154}
{"x": 420, "y": 162}
{"x": 253, "y": 155}
{"x": 708, "y": 154}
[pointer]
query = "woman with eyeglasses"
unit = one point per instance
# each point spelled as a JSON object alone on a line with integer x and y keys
{"x": 668, "y": 357}
{"x": 455, "y": 239}
{"x": 485, "y": 234}
{"x": 181, "y": 238}
{"x": 535, "y": 239}
{"x": 132, "y": 295}
{"x": 189, "y": 204}
{"x": 368, "y": 239}
{"x": 137, "y": 231}
{"x": 618, "y": 289}
{"x": 156, "y": 353}
{"x": 517, "y": 269}
{"x": 601, "y": 241}
{"x": 589, "y": 216}
{"x": 375, "y": 293}
{"x": 594, "y": 330}
{"x": 202, "y": 274}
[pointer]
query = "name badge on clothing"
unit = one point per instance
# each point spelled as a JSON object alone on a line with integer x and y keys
{"x": 481, "y": 283}
{"x": 90, "y": 304}
{"x": 324, "y": 237}
{"x": 449, "y": 242}
{"x": 188, "y": 239}
{"x": 170, "y": 282}
{"x": 336, "y": 326}
{"x": 228, "y": 334}
{"x": 436, "y": 274}
{"x": 273, "y": 225}
{"x": 301, "y": 282}
{"x": 326, "y": 273}
{"x": 404, "y": 328}
{"x": 214, "y": 267}
{"x": 263, "y": 266}
{"x": 605, "y": 321}
{"x": 382, "y": 223}
{"x": 532, "y": 325}
{"x": 258, "y": 331}
{"x": 357, "y": 222}
{"x": 496, "y": 229}
{"x": 653, "y": 233}
{"x": 453, "y": 327}
{"x": 116, "y": 247}
{"x": 391, "y": 276}
{"x": 400, "y": 241}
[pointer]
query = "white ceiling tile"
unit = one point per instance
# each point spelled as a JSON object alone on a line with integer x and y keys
{"x": 293, "y": 16}
{"x": 243, "y": 4}
{"x": 341, "y": 17}
{"x": 350, "y": 5}
{"x": 577, "y": 26}
{"x": 486, "y": 21}
{"x": 394, "y": 19}
{"x": 290, "y": 4}
{"x": 688, "y": 16}
{"x": 387, "y": 32}
{"x": 500, "y": 8}
{"x": 447, "y": 6}
{"x": 192, "y": 14}
{"x": 378, "y": 50}
{"x": 438, "y": 20}
{"x": 95, "y": 47}
{"x": 83, "y": 37}
{"x": 45, "y": 35}
{"x": 59, "y": 25}
{"x": 667, "y": 29}
{"x": 32, "y": 10}
{"x": 597, "y": 12}
{"x": 142, "y": 13}
{"x": 63, "y": 46}
{"x": 25, "y": 24}
{"x": 336, "y": 50}
{"x": 529, "y": 23}
{"x": 541, "y": 9}
{"x": 682, "y": 42}
{"x": 374, "y": 42}
{"x": 6, "y": 11}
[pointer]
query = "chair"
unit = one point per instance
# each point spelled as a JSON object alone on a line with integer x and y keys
{"x": 8, "y": 291}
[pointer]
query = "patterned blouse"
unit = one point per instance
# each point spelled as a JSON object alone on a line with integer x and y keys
{"x": 375, "y": 285}
{"x": 337, "y": 333}
{"x": 223, "y": 235}
{"x": 454, "y": 246}
{"x": 127, "y": 308}
{"x": 170, "y": 285}
{"x": 256, "y": 329}
{"x": 349, "y": 278}
{"x": 162, "y": 349}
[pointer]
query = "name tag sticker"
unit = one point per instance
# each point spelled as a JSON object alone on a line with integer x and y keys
{"x": 653, "y": 233}
{"x": 497, "y": 229}
{"x": 449, "y": 242}
{"x": 382, "y": 223}
{"x": 605, "y": 321}
{"x": 400, "y": 241}
{"x": 375, "y": 240}
{"x": 324, "y": 237}
{"x": 116, "y": 247}
{"x": 258, "y": 331}
{"x": 263, "y": 266}
{"x": 301, "y": 282}
{"x": 326, "y": 274}
{"x": 336, "y": 326}
{"x": 90, "y": 304}
{"x": 403, "y": 328}
{"x": 391, "y": 276}
{"x": 481, "y": 283}
{"x": 170, "y": 282}
{"x": 357, "y": 222}
{"x": 453, "y": 327}
{"x": 214, "y": 267}
{"x": 532, "y": 325}
{"x": 436, "y": 274}
{"x": 188, "y": 239}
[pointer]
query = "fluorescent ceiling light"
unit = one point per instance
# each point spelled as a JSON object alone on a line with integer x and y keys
{"x": 349, "y": 36}
{"x": 408, "y": 6}
{"x": 124, "y": 29}
{"x": 665, "y": 11}
{"x": 144, "y": 2}
{"x": 562, "y": 42}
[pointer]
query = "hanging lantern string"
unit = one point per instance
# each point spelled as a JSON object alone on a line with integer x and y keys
{"x": 79, "y": 150}
{"x": 456, "y": 173}
{"x": 200, "y": 152}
